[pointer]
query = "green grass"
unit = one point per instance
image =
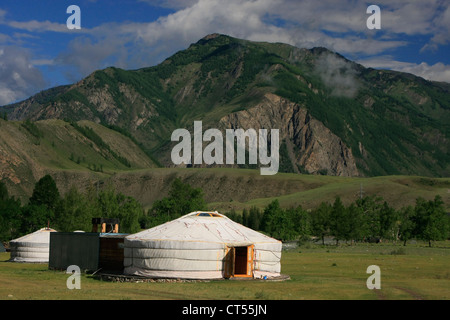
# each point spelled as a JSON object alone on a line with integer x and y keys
{"x": 317, "y": 272}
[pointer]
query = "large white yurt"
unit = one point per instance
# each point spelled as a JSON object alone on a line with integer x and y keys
{"x": 202, "y": 245}
{"x": 33, "y": 247}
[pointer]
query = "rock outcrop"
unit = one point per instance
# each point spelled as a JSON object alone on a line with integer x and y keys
{"x": 315, "y": 148}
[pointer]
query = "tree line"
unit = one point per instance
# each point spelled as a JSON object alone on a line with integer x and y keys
{"x": 73, "y": 211}
{"x": 366, "y": 219}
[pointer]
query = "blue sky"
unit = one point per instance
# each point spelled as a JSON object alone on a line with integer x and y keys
{"x": 38, "y": 51}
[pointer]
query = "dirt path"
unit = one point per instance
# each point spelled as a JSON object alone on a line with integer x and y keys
{"x": 413, "y": 294}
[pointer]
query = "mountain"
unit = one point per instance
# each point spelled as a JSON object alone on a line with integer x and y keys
{"x": 335, "y": 116}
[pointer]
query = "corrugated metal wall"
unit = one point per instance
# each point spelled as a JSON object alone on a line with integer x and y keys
{"x": 74, "y": 248}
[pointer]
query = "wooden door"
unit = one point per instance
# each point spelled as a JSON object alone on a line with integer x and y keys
{"x": 229, "y": 262}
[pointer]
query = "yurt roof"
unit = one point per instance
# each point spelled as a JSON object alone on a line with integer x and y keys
{"x": 39, "y": 236}
{"x": 203, "y": 226}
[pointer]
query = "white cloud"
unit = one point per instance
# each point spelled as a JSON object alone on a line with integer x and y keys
{"x": 18, "y": 77}
{"x": 351, "y": 45}
{"x": 337, "y": 74}
{"x": 435, "y": 72}
{"x": 408, "y": 17}
{"x": 38, "y": 26}
{"x": 442, "y": 34}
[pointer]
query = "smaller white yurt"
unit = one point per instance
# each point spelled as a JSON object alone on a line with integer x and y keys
{"x": 33, "y": 247}
{"x": 202, "y": 245}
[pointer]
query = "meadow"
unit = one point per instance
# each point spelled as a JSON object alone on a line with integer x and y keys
{"x": 414, "y": 272}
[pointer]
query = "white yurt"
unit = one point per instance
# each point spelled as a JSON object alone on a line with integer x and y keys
{"x": 33, "y": 247}
{"x": 202, "y": 245}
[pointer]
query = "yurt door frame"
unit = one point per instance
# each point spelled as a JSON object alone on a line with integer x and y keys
{"x": 239, "y": 261}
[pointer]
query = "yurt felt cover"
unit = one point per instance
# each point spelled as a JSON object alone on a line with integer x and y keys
{"x": 33, "y": 247}
{"x": 194, "y": 246}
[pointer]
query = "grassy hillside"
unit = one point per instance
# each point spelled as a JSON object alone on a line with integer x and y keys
{"x": 29, "y": 150}
{"x": 83, "y": 153}
{"x": 227, "y": 189}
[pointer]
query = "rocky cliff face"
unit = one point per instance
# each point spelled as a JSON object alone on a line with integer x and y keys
{"x": 310, "y": 144}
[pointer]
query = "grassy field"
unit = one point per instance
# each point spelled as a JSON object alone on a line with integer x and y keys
{"x": 414, "y": 272}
